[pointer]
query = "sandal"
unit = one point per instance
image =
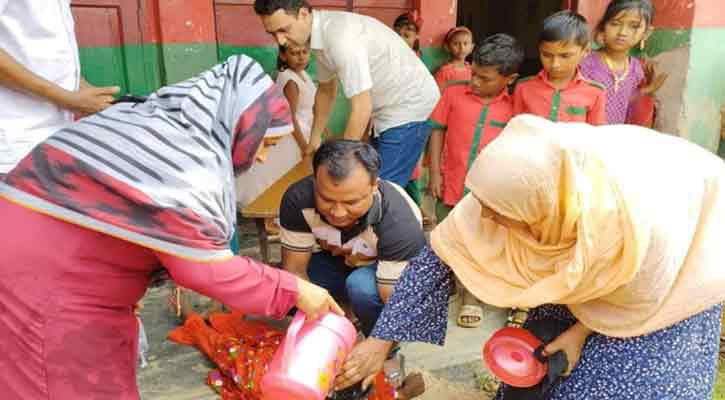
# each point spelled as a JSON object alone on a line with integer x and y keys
{"x": 468, "y": 312}
{"x": 517, "y": 317}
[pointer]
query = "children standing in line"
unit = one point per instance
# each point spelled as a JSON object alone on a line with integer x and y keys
{"x": 408, "y": 26}
{"x": 459, "y": 43}
{"x": 560, "y": 92}
{"x": 630, "y": 83}
{"x": 466, "y": 119}
{"x": 299, "y": 89}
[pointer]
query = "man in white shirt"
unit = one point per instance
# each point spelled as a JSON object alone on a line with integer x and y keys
{"x": 40, "y": 78}
{"x": 380, "y": 74}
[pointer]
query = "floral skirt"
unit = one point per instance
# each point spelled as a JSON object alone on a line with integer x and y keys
{"x": 675, "y": 363}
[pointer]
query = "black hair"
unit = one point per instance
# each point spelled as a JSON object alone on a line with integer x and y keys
{"x": 339, "y": 157}
{"x": 565, "y": 26}
{"x": 502, "y": 51}
{"x": 405, "y": 20}
{"x": 281, "y": 64}
{"x": 269, "y": 7}
{"x": 644, "y": 7}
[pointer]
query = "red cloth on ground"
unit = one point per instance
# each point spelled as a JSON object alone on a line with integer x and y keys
{"x": 242, "y": 350}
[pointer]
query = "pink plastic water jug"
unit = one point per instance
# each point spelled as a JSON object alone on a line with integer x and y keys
{"x": 309, "y": 358}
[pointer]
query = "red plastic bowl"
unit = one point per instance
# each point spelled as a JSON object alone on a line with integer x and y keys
{"x": 509, "y": 354}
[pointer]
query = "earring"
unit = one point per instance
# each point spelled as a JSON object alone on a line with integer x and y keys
{"x": 643, "y": 44}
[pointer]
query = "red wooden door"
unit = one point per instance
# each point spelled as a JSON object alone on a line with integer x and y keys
{"x": 384, "y": 10}
{"x": 117, "y": 43}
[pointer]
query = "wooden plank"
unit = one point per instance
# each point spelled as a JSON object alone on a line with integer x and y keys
{"x": 267, "y": 204}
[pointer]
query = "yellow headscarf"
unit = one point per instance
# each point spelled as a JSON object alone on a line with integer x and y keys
{"x": 592, "y": 199}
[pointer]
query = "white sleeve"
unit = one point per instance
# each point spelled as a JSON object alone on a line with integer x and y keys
{"x": 324, "y": 74}
{"x": 352, "y": 64}
{"x": 3, "y": 4}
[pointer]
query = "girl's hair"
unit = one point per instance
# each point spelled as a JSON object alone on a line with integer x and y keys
{"x": 644, "y": 7}
{"x": 455, "y": 31}
{"x": 407, "y": 20}
{"x": 281, "y": 64}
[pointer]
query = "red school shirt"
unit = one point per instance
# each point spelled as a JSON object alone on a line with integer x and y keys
{"x": 449, "y": 75}
{"x": 470, "y": 124}
{"x": 582, "y": 100}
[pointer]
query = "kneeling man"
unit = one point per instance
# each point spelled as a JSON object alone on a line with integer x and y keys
{"x": 348, "y": 231}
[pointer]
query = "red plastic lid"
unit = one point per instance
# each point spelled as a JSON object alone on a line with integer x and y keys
{"x": 509, "y": 354}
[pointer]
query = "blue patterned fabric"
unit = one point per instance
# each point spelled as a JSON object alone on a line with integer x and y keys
{"x": 676, "y": 363}
{"x": 418, "y": 309}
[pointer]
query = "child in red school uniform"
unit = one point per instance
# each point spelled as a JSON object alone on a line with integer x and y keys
{"x": 560, "y": 92}
{"x": 408, "y": 26}
{"x": 466, "y": 119}
{"x": 459, "y": 43}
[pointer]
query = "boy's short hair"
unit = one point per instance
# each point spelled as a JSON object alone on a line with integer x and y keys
{"x": 566, "y": 26}
{"x": 502, "y": 51}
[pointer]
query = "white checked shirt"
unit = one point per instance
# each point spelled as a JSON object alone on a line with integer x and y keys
{"x": 365, "y": 54}
{"x": 40, "y": 35}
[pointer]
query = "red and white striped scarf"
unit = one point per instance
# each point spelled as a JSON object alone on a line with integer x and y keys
{"x": 159, "y": 173}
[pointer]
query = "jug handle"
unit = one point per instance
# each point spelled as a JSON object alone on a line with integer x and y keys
{"x": 291, "y": 338}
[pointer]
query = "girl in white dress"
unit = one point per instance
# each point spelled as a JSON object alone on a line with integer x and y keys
{"x": 299, "y": 89}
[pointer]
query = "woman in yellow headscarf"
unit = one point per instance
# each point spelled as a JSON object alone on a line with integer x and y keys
{"x": 614, "y": 233}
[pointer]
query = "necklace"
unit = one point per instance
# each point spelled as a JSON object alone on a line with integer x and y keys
{"x": 618, "y": 79}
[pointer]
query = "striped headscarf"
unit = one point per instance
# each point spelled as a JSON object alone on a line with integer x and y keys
{"x": 159, "y": 173}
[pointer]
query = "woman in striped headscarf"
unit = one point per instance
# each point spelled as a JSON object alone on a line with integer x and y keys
{"x": 119, "y": 195}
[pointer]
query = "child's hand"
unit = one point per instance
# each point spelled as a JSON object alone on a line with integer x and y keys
{"x": 435, "y": 184}
{"x": 302, "y": 145}
{"x": 652, "y": 80}
{"x": 313, "y": 146}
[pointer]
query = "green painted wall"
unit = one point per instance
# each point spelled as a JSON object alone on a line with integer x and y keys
{"x": 141, "y": 69}
{"x": 663, "y": 40}
{"x": 135, "y": 68}
{"x": 705, "y": 90}
{"x": 433, "y": 57}
{"x": 182, "y": 61}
